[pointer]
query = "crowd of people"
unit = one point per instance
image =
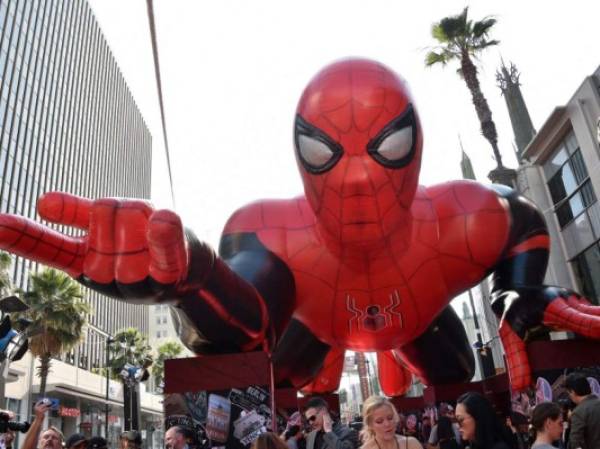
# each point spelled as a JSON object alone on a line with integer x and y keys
{"x": 473, "y": 423}
{"x": 53, "y": 438}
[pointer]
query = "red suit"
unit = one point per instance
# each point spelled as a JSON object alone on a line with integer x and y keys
{"x": 366, "y": 260}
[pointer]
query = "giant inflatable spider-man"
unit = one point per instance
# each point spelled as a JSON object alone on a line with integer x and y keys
{"x": 366, "y": 260}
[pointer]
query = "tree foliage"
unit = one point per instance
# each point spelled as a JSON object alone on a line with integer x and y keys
{"x": 129, "y": 346}
{"x": 6, "y": 285}
{"x": 168, "y": 350}
{"x": 461, "y": 39}
{"x": 58, "y": 317}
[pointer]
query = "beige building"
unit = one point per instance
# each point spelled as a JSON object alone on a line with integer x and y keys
{"x": 82, "y": 397}
{"x": 161, "y": 328}
{"x": 561, "y": 174}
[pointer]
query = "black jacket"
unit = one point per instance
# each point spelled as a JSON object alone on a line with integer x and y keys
{"x": 585, "y": 424}
{"x": 340, "y": 437}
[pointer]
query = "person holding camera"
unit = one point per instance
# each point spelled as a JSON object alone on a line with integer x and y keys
{"x": 7, "y": 435}
{"x": 8, "y": 427}
{"x": 585, "y": 419}
{"x": 51, "y": 438}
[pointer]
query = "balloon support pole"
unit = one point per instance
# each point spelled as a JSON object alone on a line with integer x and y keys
{"x": 273, "y": 396}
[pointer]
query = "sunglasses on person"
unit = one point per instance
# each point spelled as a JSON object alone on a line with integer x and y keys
{"x": 312, "y": 418}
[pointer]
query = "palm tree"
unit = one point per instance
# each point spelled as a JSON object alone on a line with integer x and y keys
{"x": 168, "y": 350}
{"x": 58, "y": 317}
{"x": 462, "y": 39}
{"x": 129, "y": 352}
{"x": 6, "y": 288}
{"x": 6, "y": 285}
{"x": 129, "y": 346}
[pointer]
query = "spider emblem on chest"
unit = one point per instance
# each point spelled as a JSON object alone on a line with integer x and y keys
{"x": 374, "y": 317}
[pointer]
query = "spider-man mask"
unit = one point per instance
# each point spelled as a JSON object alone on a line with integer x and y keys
{"x": 358, "y": 144}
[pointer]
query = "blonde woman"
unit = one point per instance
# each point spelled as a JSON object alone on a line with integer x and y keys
{"x": 380, "y": 419}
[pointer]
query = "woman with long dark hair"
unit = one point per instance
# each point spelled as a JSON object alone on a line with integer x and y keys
{"x": 479, "y": 424}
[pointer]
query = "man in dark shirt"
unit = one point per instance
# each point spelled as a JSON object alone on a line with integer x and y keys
{"x": 585, "y": 419}
{"x": 327, "y": 434}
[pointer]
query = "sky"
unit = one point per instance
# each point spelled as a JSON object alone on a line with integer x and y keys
{"x": 232, "y": 73}
{"x": 233, "y": 70}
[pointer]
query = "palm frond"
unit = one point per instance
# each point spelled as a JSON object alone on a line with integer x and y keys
{"x": 129, "y": 346}
{"x": 483, "y": 27}
{"x": 454, "y": 27}
{"x": 6, "y": 285}
{"x": 57, "y": 310}
{"x": 168, "y": 350}
{"x": 438, "y": 33}
{"x": 459, "y": 35}
{"x": 433, "y": 58}
{"x": 5, "y": 261}
{"x": 483, "y": 45}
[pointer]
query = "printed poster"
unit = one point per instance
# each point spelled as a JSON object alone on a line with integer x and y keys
{"x": 231, "y": 419}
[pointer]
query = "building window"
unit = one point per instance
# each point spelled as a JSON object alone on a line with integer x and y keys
{"x": 14, "y": 405}
{"x": 587, "y": 270}
{"x": 568, "y": 181}
{"x": 578, "y": 213}
{"x": 69, "y": 357}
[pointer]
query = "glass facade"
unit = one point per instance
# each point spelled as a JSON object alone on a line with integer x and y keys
{"x": 587, "y": 271}
{"x": 577, "y": 211}
{"x": 569, "y": 184}
{"x": 68, "y": 122}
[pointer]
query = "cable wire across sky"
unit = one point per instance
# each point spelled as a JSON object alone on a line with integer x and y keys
{"x": 160, "y": 95}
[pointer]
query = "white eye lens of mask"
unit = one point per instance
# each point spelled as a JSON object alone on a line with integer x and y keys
{"x": 397, "y": 145}
{"x": 313, "y": 151}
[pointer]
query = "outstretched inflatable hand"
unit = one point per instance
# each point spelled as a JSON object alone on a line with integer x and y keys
{"x": 523, "y": 309}
{"x": 129, "y": 250}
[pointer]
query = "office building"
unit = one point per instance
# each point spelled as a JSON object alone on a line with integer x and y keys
{"x": 561, "y": 174}
{"x": 68, "y": 122}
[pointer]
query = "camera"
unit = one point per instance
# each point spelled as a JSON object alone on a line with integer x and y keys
{"x": 6, "y": 425}
{"x": 50, "y": 402}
